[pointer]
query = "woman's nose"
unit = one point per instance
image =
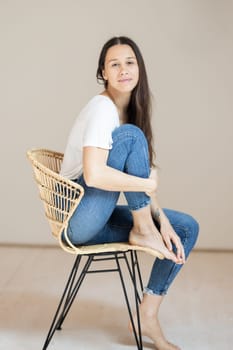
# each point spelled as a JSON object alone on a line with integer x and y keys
{"x": 123, "y": 71}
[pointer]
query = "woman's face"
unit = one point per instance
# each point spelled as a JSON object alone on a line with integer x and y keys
{"x": 121, "y": 68}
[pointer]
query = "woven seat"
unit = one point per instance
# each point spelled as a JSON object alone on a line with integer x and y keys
{"x": 61, "y": 197}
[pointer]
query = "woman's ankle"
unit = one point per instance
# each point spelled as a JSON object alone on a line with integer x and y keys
{"x": 142, "y": 229}
{"x": 142, "y": 220}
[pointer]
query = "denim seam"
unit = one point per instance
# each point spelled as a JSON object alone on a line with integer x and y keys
{"x": 149, "y": 291}
{"x": 142, "y": 205}
{"x": 166, "y": 286}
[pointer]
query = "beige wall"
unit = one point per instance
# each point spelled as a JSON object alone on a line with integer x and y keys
{"x": 48, "y": 58}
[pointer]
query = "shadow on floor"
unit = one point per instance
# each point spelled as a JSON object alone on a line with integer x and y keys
{"x": 24, "y": 312}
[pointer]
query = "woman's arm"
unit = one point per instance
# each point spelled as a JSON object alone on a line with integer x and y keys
{"x": 169, "y": 235}
{"x": 98, "y": 174}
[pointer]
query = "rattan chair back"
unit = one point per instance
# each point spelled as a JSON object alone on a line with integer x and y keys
{"x": 59, "y": 195}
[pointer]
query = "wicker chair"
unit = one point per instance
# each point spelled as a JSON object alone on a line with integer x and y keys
{"x": 61, "y": 197}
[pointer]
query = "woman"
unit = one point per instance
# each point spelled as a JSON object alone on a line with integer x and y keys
{"x": 110, "y": 150}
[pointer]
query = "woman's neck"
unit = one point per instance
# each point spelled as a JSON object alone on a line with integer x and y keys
{"x": 121, "y": 101}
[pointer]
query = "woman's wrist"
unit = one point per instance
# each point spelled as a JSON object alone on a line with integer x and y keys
{"x": 159, "y": 215}
{"x": 151, "y": 186}
{"x": 163, "y": 219}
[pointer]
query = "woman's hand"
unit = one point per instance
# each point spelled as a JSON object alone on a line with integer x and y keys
{"x": 169, "y": 237}
{"x": 168, "y": 234}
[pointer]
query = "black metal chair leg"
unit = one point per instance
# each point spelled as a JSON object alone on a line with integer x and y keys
{"x": 74, "y": 291}
{"x": 53, "y": 326}
{"x": 133, "y": 258}
{"x": 137, "y": 332}
{"x": 138, "y": 269}
{"x": 131, "y": 274}
{"x": 74, "y": 283}
{"x": 69, "y": 291}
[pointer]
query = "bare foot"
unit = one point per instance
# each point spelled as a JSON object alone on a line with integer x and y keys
{"x": 150, "y": 328}
{"x": 152, "y": 240}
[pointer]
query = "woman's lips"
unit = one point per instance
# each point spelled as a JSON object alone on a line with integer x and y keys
{"x": 124, "y": 80}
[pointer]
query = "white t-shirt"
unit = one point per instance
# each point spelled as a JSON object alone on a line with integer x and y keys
{"x": 93, "y": 127}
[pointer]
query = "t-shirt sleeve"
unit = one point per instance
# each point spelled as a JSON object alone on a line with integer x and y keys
{"x": 103, "y": 119}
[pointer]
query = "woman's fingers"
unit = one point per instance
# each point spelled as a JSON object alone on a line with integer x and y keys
{"x": 179, "y": 249}
{"x": 180, "y": 254}
{"x": 167, "y": 242}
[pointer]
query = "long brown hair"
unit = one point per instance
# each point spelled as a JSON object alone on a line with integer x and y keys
{"x": 139, "y": 108}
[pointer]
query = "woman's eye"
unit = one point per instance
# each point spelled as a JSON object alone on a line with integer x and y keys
{"x": 130, "y": 62}
{"x": 115, "y": 64}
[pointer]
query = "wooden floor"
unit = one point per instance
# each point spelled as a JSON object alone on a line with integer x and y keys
{"x": 197, "y": 313}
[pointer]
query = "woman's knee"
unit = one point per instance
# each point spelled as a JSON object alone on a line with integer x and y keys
{"x": 129, "y": 151}
{"x": 130, "y": 130}
{"x": 191, "y": 224}
{"x": 184, "y": 224}
{"x": 191, "y": 228}
{"x": 195, "y": 229}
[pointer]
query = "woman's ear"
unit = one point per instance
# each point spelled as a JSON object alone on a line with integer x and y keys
{"x": 104, "y": 75}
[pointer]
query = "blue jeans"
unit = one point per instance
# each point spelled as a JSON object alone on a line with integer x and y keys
{"x": 98, "y": 218}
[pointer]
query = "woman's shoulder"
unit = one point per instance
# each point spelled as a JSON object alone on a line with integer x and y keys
{"x": 101, "y": 101}
{"x": 99, "y": 107}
